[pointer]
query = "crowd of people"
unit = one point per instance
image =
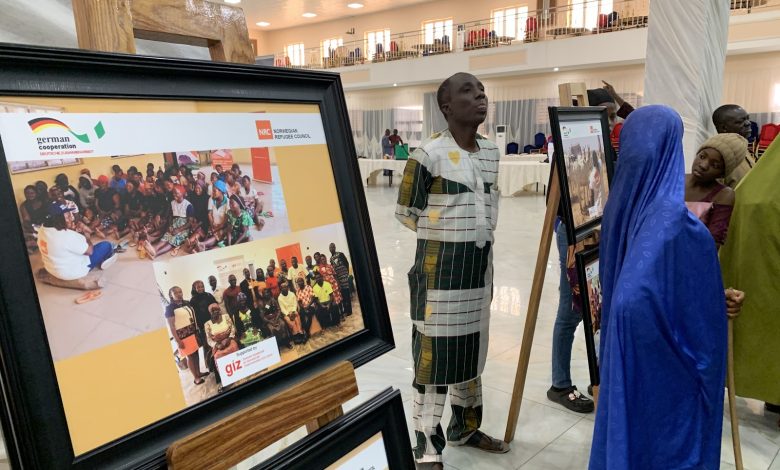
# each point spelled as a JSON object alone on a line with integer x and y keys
{"x": 290, "y": 303}
{"x": 157, "y": 212}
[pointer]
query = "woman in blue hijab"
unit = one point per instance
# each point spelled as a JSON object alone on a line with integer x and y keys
{"x": 663, "y": 347}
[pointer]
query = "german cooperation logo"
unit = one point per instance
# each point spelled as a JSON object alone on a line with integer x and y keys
{"x": 62, "y": 143}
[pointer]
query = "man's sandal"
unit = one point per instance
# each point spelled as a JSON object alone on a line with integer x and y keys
{"x": 480, "y": 440}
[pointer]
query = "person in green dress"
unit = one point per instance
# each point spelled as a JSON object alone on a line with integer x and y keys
{"x": 250, "y": 334}
{"x": 238, "y": 221}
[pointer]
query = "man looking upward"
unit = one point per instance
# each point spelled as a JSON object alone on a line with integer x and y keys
{"x": 448, "y": 196}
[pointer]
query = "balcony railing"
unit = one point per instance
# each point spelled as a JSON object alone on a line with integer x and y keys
{"x": 586, "y": 18}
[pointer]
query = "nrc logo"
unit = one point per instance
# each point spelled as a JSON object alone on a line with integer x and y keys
{"x": 264, "y": 131}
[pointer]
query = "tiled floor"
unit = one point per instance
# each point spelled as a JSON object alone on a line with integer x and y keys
{"x": 548, "y": 436}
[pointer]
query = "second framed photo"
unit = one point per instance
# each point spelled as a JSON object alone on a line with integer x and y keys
{"x": 584, "y": 162}
{"x": 372, "y": 436}
{"x": 590, "y": 296}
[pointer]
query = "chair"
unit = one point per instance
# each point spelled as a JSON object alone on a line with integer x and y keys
{"x": 531, "y": 29}
{"x": 471, "y": 40}
{"x": 765, "y": 138}
{"x": 445, "y": 41}
{"x": 512, "y": 148}
{"x": 540, "y": 141}
{"x": 394, "y": 53}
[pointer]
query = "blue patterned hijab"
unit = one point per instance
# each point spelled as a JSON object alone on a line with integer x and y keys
{"x": 663, "y": 346}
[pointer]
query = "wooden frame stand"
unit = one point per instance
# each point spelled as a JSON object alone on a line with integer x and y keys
{"x": 224, "y": 444}
{"x": 113, "y": 26}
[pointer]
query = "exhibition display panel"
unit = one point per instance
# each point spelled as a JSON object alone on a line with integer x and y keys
{"x": 119, "y": 373}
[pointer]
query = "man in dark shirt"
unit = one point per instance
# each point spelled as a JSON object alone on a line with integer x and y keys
{"x": 245, "y": 284}
{"x": 341, "y": 265}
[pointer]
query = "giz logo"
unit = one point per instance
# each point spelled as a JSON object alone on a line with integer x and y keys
{"x": 264, "y": 131}
{"x": 232, "y": 367}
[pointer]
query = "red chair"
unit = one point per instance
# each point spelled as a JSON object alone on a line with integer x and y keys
{"x": 530, "y": 29}
{"x": 603, "y": 21}
{"x": 471, "y": 40}
{"x": 765, "y": 138}
{"x": 614, "y": 136}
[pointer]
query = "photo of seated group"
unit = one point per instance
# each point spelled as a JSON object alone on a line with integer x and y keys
{"x": 238, "y": 311}
{"x": 81, "y": 216}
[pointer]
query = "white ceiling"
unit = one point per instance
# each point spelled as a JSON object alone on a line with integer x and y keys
{"x": 287, "y": 13}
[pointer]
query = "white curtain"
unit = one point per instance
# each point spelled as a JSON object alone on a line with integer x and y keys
{"x": 689, "y": 79}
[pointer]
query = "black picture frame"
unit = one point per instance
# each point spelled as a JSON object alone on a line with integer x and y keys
{"x": 384, "y": 413}
{"x": 558, "y": 117}
{"x": 33, "y": 418}
{"x": 583, "y": 260}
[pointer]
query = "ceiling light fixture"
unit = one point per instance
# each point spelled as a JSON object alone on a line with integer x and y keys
{"x": 354, "y": 5}
{"x": 263, "y": 23}
{"x": 309, "y": 15}
{"x": 233, "y": 1}
{"x": 395, "y": 84}
{"x": 556, "y": 69}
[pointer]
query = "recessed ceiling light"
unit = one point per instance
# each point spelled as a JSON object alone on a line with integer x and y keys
{"x": 263, "y": 23}
{"x": 233, "y": 1}
{"x": 354, "y": 5}
{"x": 309, "y": 15}
{"x": 556, "y": 69}
{"x": 395, "y": 84}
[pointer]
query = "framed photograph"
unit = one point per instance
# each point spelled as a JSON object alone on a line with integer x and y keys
{"x": 584, "y": 161}
{"x": 142, "y": 307}
{"x": 590, "y": 296}
{"x": 374, "y": 435}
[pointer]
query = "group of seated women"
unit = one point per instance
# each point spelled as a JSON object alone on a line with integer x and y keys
{"x": 164, "y": 211}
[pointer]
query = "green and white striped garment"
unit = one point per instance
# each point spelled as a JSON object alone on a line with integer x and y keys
{"x": 450, "y": 198}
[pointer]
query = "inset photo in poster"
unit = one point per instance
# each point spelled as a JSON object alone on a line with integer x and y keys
{"x": 590, "y": 294}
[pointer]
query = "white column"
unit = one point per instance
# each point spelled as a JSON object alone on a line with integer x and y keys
{"x": 686, "y": 53}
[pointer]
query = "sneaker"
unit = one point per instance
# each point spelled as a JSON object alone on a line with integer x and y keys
{"x": 109, "y": 262}
{"x": 772, "y": 408}
{"x": 571, "y": 399}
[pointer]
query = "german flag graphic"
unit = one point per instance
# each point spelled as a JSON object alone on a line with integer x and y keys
{"x": 39, "y": 124}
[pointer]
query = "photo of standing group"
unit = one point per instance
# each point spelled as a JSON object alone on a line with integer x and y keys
{"x": 594, "y": 294}
{"x": 287, "y": 296}
{"x": 586, "y": 170}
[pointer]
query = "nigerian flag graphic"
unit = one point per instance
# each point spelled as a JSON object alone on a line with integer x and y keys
{"x": 39, "y": 124}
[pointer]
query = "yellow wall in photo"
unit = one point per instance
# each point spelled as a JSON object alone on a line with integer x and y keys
{"x": 113, "y": 391}
{"x": 308, "y": 186}
{"x": 97, "y": 166}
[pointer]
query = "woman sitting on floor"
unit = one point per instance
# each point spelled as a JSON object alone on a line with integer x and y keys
{"x": 238, "y": 222}
{"x": 252, "y": 201}
{"x": 183, "y": 221}
{"x": 33, "y": 212}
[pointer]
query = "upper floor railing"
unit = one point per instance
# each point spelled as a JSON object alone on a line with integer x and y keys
{"x": 586, "y": 17}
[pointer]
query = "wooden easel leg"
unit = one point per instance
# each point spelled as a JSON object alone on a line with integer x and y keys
{"x": 321, "y": 421}
{"x": 548, "y": 229}
{"x": 733, "y": 399}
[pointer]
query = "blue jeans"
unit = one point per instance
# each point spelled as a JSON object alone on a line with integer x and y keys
{"x": 565, "y": 322}
{"x": 100, "y": 252}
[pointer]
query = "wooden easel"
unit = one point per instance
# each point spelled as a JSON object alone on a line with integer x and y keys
{"x": 224, "y": 444}
{"x": 113, "y": 26}
{"x": 568, "y": 93}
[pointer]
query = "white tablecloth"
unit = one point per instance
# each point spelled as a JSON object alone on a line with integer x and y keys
{"x": 524, "y": 157}
{"x": 370, "y": 168}
{"x": 514, "y": 177}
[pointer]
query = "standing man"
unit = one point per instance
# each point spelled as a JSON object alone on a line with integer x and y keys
{"x": 387, "y": 147}
{"x": 396, "y": 139}
{"x": 448, "y": 195}
{"x": 732, "y": 118}
{"x": 341, "y": 266}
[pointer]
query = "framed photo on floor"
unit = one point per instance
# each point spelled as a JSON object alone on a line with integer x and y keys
{"x": 374, "y": 435}
{"x": 140, "y": 306}
{"x": 583, "y": 156}
{"x": 590, "y": 296}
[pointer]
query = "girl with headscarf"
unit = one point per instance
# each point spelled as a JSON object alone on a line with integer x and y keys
{"x": 218, "y": 208}
{"x": 720, "y": 157}
{"x": 238, "y": 222}
{"x": 663, "y": 341}
{"x": 182, "y": 223}
{"x": 750, "y": 260}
